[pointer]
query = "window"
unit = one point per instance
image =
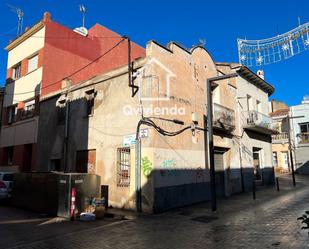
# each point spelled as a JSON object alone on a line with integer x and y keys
{"x": 90, "y": 94}
{"x": 275, "y": 159}
{"x": 86, "y": 161}
{"x": 286, "y": 159}
{"x": 33, "y": 63}
{"x": 304, "y": 128}
{"x": 55, "y": 164}
{"x": 304, "y": 133}
{"x": 11, "y": 111}
{"x": 17, "y": 71}
{"x": 28, "y": 109}
{"x": 123, "y": 166}
{"x": 8, "y": 177}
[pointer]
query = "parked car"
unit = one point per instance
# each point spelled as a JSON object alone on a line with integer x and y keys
{"x": 6, "y": 184}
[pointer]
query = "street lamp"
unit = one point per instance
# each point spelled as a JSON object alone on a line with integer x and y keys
{"x": 210, "y": 137}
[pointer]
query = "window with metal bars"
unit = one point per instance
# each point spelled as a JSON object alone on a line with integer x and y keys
{"x": 123, "y": 167}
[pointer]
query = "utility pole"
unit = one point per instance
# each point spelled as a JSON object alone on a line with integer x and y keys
{"x": 290, "y": 146}
{"x": 211, "y": 158}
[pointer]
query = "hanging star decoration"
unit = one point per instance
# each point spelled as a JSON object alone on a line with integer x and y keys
{"x": 243, "y": 57}
{"x": 259, "y": 60}
{"x": 285, "y": 47}
{"x": 274, "y": 49}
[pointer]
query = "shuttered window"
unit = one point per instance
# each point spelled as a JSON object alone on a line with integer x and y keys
{"x": 33, "y": 63}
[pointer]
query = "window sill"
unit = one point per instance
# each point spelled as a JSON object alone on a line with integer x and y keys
{"x": 32, "y": 71}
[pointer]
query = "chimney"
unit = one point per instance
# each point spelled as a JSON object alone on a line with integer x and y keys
{"x": 260, "y": 73}
{"x": 47, "y": 17}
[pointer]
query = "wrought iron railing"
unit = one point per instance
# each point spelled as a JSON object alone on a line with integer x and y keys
{"x": 259, "y": 119}
{"x": 223, "y": 117}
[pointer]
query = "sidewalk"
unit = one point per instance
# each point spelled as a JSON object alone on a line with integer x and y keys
{"x": 240, "y": 222}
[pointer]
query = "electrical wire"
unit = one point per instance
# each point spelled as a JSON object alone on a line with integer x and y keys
{"x": 60, "y": 37}
{"x": 149, "y": 122}
{"x": 75, "y": 72}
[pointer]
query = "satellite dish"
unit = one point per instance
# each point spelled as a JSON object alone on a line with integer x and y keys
{"x": 82, "y": 31}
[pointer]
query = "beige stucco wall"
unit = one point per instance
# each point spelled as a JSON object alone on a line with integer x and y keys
{"x": 27, "y": 48}
{"x": 244, "y": 88}
{"x": 178, "y": 160}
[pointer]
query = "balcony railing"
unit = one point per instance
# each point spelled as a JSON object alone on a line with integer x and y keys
{"x": 282, "y": 137}
{"x": 260, "y": 122}
{"x": 303, "y": 138}
{"x": 223, "y": 117}
{"x": 259, "y": 119}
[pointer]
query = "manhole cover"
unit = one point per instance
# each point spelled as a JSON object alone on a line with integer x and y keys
{"x": 205, "y": 219}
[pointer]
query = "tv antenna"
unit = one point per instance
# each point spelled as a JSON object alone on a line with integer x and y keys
{"x": 82, "y": 9}
{"x": 20, "y": 14}
{"x": 202, "y": 41}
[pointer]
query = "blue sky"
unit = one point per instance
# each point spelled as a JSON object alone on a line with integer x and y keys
{"x": 219, "y": 22}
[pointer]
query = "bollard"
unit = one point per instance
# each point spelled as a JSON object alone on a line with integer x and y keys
{"x": 253, "y": 189}
{"x": 277, "y": 183}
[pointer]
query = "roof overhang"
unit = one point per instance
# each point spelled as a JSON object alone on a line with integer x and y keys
{"x": 247, "y": 74}
{"x": 35, "y": 28}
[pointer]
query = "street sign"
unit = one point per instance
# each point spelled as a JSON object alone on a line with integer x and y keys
{"x": 129, "y": 140}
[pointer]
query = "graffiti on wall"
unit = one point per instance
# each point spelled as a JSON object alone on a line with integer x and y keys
{"x": 146, "y": 166}
{"x": 168, "y": 167}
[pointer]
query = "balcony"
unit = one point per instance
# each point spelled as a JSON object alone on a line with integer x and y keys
{"x": 223, "y": 118}
{"x": 259, "y": 122}
{"x": 303, "y": 138}
{"x": 280, "y": 138}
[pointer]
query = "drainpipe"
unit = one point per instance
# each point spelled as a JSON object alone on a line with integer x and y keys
{"x": 240, "y": 152}
{"x": 138, "y": 194}
{"x": 66, "y": 134}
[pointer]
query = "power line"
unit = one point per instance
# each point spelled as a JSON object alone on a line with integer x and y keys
{"x": 75, "y": 72}
{"x": 61, "y": 37}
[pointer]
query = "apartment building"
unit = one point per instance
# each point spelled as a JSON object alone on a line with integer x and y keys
{"x": 252, "y": 137}
{"x": 38, "y": 61}
{"x": 96, "y": 133}
{"x": 300, "y": 134}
